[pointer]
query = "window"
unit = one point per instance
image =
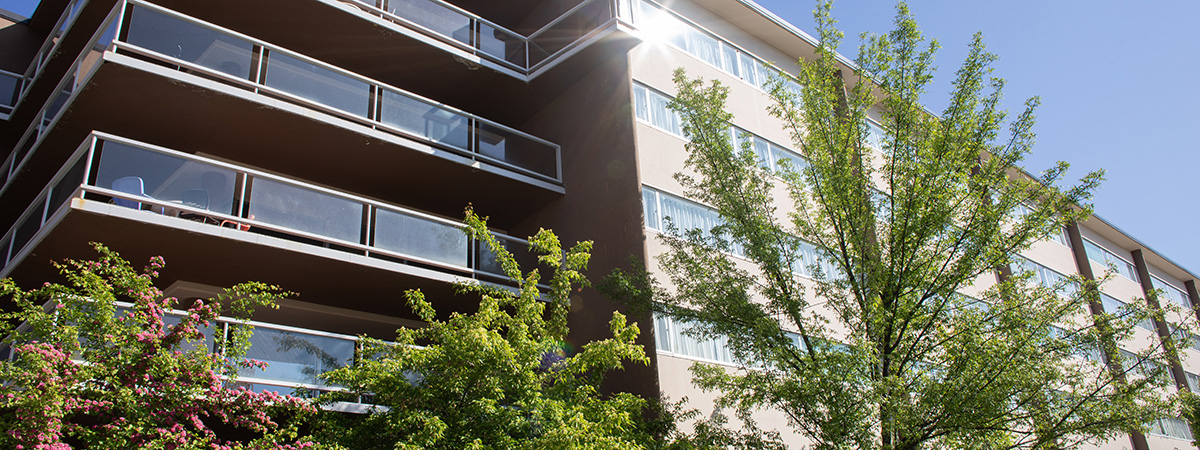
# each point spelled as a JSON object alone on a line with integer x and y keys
{"x": 672, "y": 338}
{"x": 1089, "y": 352}
{"x": 1172, "y": 293}
{"x": 661, "y": 208}
{"x": 1061, "y": 238}
{"x": 1120, "y": 308}
{"x": 1190, "y": 340}
{"x": 770, "y": 156}
{"x": 650, "y": 106}
{"x": 1101, "y": 255}
{"x": 1173, "y": 427}
{"x": 876, "y": 135}
{"x": 808, "y": 258}
{"x": 1046, "y": 276}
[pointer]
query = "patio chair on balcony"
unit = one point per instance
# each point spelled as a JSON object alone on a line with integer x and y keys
{"x": 133, "y": 186}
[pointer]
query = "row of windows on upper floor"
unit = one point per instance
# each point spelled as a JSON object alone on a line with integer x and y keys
{"x": 660, "y": 24}
{"x": 1126, "y": 269}
{"x": 652, "y": 107}
{"x": 1172, "y": 293}
{"x": 1123, "y": 267}
{"x": 665, "y": 213}
{"x": 686, "y": 215}
{"x": 673, "y": 337}
{"x": 1052, "y": 279}
{"x": 1103, "y": 256}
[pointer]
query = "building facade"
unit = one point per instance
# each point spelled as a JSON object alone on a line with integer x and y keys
{"x": 329, "y": 147}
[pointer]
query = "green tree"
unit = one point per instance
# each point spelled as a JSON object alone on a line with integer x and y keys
{"x": 497, "y": 378}
{"x": 86, "y": 373}
{"x": 878, "y": 348}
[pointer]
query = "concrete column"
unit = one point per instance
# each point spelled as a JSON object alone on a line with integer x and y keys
{"x": 1160, "y": 323}
{"x": 1136, "y": 438}
{"x": 1190, "y": 286}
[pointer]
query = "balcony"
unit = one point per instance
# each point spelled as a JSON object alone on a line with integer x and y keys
{"x": 294, "y": 356}
{"x": 194, "y": 77}
{"x": 433, "y": 24}
{"x": 494, "y": 45}
{"x": 453, "y": 57}
{"x": 15, "y": 87}
{"x": 229, "y": 223}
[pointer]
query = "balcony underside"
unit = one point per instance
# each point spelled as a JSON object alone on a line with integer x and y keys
{"x": 250, "y": 129}
{"x": 215, "y": 256}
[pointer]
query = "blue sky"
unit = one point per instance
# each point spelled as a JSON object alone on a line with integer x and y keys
{"x": 1118, "y": 90}
{"x": 1116, "y": 80}
{"x": 22, "y": 7}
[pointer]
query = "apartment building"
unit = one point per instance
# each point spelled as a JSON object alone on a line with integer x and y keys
{"x": 329, "y": 147}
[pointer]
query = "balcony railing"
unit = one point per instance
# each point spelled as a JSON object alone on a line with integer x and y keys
{"x": 10, "y": 85}
{"x": 295, "y": 357}
{"x": 478, "y": 36}
{"x": 168, "y": 38}
{"x": 13, "y": 94}
{"x": 190, "y": 188}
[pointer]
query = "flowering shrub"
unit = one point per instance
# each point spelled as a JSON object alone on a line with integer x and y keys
{"x": 88, "y": 374}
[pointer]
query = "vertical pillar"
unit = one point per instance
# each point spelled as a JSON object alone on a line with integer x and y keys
{"x": 1160, "y": 323}
{"x": 1136, "y": 438}
{"x": 1190, "y": 286}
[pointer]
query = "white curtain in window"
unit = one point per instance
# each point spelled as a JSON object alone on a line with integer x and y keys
{"x": 780, "y": 154}
{"x": 650, "y": 208}
{"x": 641, "y": 109}
{"x": 704, "y": 47}
{"x": 686, "y": 215}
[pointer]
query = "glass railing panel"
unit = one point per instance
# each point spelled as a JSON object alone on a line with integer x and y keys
{"x": 319, "y": 84}
{"x": 515, "y": 149}
{"x": 9, "y": 84}
{"x": 420, "y": 237}
{"x": 436, "y": 17}
{"x": 166, "y": 178}
{"x": 502, "y": 44}
{"x": 26, "y": 145}
{"x": 189, "y": 42}
{"x": 567, "y": 30}
{"x": 205, "y": 344}
{"x": 4, "y": 254}
{"x": 55, "y": 106}
{"x": 96, "y": 53}
{"x": 486, "y": 261}
{"x": 71, "y": 14}
{"x": 30, "y": 224}
{"x": 294, "y": 357}
{"x": 65, "y": 188}
{"x": 423, "y": 119}
{"x": 305, "y": 210}
{"x": 5, "y": 168}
